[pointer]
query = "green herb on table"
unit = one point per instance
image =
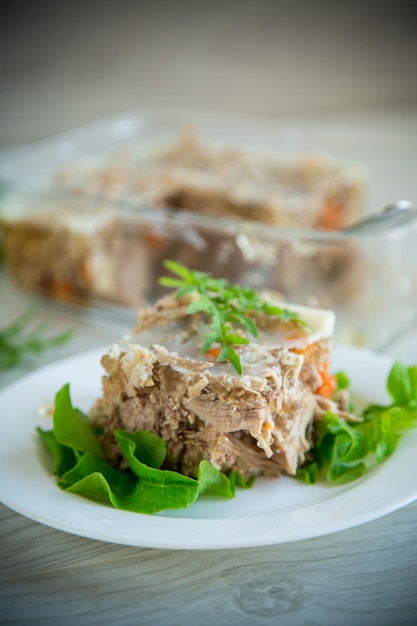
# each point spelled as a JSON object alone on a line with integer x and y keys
{"x": 227, "y": 307}
{"x": 344, "y": 452}
{"x": 80, "y": 466}
{"x": 23, "y": 337}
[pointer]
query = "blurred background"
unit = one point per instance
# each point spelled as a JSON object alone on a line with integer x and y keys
{"x": 351, "y": 65}
{"x": 63, "y": 64}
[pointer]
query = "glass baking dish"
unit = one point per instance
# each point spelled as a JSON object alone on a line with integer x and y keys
{"x": 102, "y": 247}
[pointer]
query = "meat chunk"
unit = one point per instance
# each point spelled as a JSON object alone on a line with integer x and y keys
{"x": 258, "y": 423}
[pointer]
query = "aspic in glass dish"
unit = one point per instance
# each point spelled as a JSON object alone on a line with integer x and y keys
{"x": 89, "y": 217}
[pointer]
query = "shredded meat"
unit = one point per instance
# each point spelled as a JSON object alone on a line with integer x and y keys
{"x": 338, "y": 407}
{"x": 258, "y": 423}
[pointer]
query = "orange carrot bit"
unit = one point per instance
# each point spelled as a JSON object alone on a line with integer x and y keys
{"x": 332, "y": 215}
{"x": 155, "y": 240}
{"x": 292, "y": 337}
{"x": 86, "y": 271}
{"x": 213, "y": 352}
{"x": 267, "y": 430}
{"x": 62, "y": 289}
{"x": 307, "y": 351}
{"x": 329, "y": 383}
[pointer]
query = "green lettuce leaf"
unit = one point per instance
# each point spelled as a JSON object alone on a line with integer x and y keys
{"x": 156, "y": 489}
{"x": 64, "y": 457}
{"x": 236, "y": 480}
{"x": 343, "y": 452}
{"x": 79, "y": 464}
{"x": 94, "y": 478}
{"x": 402, "y": 384}
{"x": 71, "y": 427}
{"x": 212, "y": 482}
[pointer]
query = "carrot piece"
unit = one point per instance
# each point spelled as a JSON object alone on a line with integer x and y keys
{"x": 86, "y": 271}
{"x": 307, "y": 351}
{"x": 213, "y": 352}
{"x": 329, "y": 383}
{"x": 155, "y": 240}
{"x": 332, "y": 216}
{"x": 61, "y": 289}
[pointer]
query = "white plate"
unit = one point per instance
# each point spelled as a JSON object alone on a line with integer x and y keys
{"x": 272, "y": 512}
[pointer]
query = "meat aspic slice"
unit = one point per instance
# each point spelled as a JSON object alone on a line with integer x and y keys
{"x": 258, "y": 423}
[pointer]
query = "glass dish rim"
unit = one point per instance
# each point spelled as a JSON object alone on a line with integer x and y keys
{"x": 138, "y": 211}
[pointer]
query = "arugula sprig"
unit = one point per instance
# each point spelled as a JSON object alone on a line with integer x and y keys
{"x": 226, "y": 305}
{"x": 21, "y": 338}
{"x": 343, "y": 452}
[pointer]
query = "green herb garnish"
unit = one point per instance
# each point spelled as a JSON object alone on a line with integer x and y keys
{"x": 21, "y": 338}
{"x": 343, "y": 452}
{"x": 227, "y": 307}
{"x": 80, "y": 466}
